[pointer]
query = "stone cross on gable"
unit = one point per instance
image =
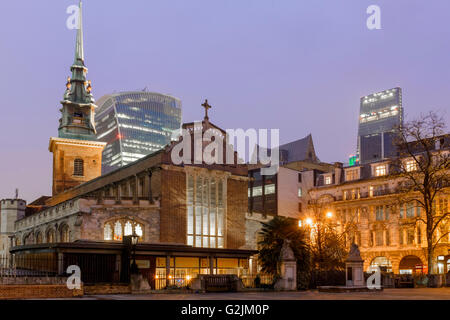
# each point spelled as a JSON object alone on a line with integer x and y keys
{"x": 207, "y": 107}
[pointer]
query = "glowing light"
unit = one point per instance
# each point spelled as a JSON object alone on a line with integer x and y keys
{"x": 156, "y": 277}
{"x": 188, "y": 278}
{"x": 329, "y": 214}
{"x": 170, "y": 277}
{"x": 300, "y": 223}
{"x": 309, "y": 221}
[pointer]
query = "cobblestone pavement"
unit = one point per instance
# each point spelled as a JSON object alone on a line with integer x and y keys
{"x": 387, "y": 294}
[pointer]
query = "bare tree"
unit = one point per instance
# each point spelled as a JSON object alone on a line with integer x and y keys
{"x": 327, "y": 244}
{"x": 423, "y": 166}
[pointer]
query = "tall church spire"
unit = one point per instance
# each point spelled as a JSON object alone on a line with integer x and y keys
{"x": 77, "y": 155}
{"x": 77, "y": 121}
{"x": 79, "y": 47}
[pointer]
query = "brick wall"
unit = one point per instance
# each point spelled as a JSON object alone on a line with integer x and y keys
{"x": 173, "y": 207}
{"x": 107, "y": 289}
{"x": 237, "y": 205}
{"x": 37, "y": 291}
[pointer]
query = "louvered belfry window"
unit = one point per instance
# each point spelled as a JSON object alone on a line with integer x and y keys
{"x": 78, "y": 167}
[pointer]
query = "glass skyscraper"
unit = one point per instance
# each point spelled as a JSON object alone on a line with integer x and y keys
{"x": 380, "y": 113}
{"x": 135, "y": 124}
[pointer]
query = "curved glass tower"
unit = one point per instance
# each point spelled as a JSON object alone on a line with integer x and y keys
{"x": 135, "y": 124}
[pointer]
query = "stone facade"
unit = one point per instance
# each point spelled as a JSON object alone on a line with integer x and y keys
{"x": 10, "y": 209}
{"x": 368, "y": 212}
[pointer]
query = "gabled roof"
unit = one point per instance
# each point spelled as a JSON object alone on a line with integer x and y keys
{"x": 298, "y": 150}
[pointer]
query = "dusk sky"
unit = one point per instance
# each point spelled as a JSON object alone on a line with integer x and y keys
{"x": 297, "y": 65}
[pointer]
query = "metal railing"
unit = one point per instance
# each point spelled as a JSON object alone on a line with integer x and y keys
{"x": 257, "y": 281}
{"x": 12, "y": 267}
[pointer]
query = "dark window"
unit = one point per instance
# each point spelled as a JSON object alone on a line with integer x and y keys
{"x": 300, "y": 177}
{"x": 78, "y": 115}
{"x": 78, "y": 167}
{"x": 299, "y": 207}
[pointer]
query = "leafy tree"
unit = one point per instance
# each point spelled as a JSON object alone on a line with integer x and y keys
{"x": 273, "y": 234}
{"x": 423, "y": 166}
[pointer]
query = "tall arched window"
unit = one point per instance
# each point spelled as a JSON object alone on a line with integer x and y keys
{"x": 51, "y": 236}
{"x": 138, "y": 230}
{"x": 108, "y": 232}
{"x": 128, "y": 229}
{"x": 65, "y": 235}
{"x": 78, "y": 167}
{"x": 39, "y": 238}
{"x": 28, "y": 239}
{"x": 118, "y": 231}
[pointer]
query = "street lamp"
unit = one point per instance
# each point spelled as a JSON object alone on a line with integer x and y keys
{"x": 134, "y": 241}
{"x": 309, "y": 221}
{"x": 329, "y": 214}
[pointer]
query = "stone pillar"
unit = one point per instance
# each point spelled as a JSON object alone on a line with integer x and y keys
{"x": 118, "y": 195}
{"x": 136, "y": 190}
{"x": 150, "y": 194}
{"x": 288, "y": 266}
{"x": 100, "y": 196}
{"x": 61, "y": 263}
{"x": 354, "y": 274}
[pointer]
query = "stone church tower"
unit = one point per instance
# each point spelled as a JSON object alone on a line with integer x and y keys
{"x": 77, "y": 156}
{"x": 10, "y": 211}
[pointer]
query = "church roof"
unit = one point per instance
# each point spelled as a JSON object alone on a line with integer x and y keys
{"x": 298, "y": 150}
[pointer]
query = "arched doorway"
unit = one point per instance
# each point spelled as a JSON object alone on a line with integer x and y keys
{"x": 384, "y": 263}
{"x": 411, "y": 264}
{"x": 443, "y": 264}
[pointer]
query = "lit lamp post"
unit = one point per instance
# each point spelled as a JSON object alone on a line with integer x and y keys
{"x": 134, "y": 241}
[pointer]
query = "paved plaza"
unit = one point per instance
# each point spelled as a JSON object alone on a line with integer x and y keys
{"x": 387, "y": 294}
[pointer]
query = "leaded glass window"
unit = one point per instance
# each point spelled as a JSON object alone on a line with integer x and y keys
{"x": 128, "y": 229}
{"x": 108, "y": 232}
{"x": 121, "y": 227}
{"x": 205, "y": 211}
{"x": 118, "y": 231}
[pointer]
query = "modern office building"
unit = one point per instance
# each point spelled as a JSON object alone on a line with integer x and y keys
{"x": 135, "y": 124}
{"x": 380, "y": 113}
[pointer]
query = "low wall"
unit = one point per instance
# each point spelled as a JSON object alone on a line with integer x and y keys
{"x": 107, "y": 289}
{"x": 37, "y": 291}
{"x": 32, "y": 280}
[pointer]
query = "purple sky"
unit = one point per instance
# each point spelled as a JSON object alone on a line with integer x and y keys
{"x": 297, "y": 65}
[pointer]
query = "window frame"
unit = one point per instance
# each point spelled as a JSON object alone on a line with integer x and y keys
{"x": 78, "y": 167}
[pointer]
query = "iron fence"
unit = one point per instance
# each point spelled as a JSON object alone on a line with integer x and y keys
{"x": 257, "y": 281}
{"x": 19, "y": 266}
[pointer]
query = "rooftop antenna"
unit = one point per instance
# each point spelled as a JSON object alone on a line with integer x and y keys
{"x": 17, "y": 193}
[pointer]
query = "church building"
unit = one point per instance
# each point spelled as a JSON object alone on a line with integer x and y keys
{"x": 189, "y": 217}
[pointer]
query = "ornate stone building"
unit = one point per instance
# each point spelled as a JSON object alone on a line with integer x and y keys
{"x": 365, "y": 208}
